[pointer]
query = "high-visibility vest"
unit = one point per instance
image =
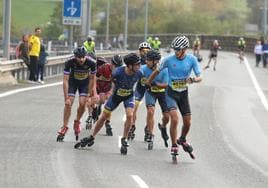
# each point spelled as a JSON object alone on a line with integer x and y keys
{"x": 90, "y": 47}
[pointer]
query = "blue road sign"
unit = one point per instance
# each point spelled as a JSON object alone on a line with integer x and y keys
{"x": 72, "y": 12}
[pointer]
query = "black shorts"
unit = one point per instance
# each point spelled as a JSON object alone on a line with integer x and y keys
{"x": 178, "y": 99}
{"x": 151, "y": 97}
{"x": 82, "y": 89}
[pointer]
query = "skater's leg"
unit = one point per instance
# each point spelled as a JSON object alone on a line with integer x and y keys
{"x": 99, "y": 124}
{"x": 81, "y": 107}
{"x": 129, "y": 119}
{"x": 174, "y": 120}
{"x": 67, "y": 110}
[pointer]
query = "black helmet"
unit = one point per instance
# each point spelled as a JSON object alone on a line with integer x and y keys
{"x": 117, "y": 60}
{"x": 153, "y": 55}
{"x": 89, "y": 38}
{"x": 132, "y": 59}
{"x": 80, "y": 52}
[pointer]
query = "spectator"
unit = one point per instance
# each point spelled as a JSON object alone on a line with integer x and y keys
{"x": 264, "y": 53}
{"x": 34, "y": 50}
{"x": 41, "y": 64}
{"x": 89, "y": 45}
{"x": 258, "y": 52}
{"x": 22, "y": 50}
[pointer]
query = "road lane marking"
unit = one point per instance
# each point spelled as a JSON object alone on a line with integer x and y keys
{"x": 256, "y": 85}
{"x": 119, "y": 141}
{"x": 139, "y": 181}
{"x": 12, "y": 92}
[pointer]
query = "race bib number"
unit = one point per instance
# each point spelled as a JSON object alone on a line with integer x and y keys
{"x": 179, "y": 85}
{"x": 124, "y": 92}
{"x": 155, "y": 89}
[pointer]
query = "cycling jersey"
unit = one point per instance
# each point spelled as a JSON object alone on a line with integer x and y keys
{"x": 179, "y": 70}
{"x": 104, "y": 78}
{"x": 123, "y": 89}
{"x": 79, "y": 74}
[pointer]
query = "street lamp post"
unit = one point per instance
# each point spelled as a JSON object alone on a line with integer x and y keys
{"x": 126, "y": 24}
{"x": 107, "y": 23}
{"x": 265, "y": 18}
{"x": 146, "y": 20}
{"x": 6, "y": 27}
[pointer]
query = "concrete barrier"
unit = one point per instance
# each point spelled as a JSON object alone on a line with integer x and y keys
{"x": 13, "y": 71}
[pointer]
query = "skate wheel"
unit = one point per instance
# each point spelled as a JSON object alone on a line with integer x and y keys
{"x": 192, "y": 155}
{"x": 166, "y": 143}
{"x": 123, "y": 150}
{"x": 60, "y": 138}
{"x": 77, "y": 145}
{"x": 150, "y": 146}
{"x": 174, "y": 159}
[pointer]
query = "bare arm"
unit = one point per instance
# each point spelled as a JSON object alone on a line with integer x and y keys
{"x": 153, "y": 75}
{"x": 65, "y": 86}
{"x": 92, "y": 85}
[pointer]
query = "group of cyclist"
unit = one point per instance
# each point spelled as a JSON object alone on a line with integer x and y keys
{"x": 99, "y": 82}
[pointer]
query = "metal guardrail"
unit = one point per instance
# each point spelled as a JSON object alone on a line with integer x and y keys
{"x": 15, "y": 70}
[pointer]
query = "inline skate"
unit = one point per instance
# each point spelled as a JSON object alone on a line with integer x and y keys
{"x": 108, "y": 128}
{"x": 146, "y": 133}
{"x": 89, "y": 123}
{"x": 87, "y": 141}
{"x": 131, "y": 133}
{"x": 164, "y": 134}
{"x": 150, "y": 141}
{"x": 124, "y": 146}
{"x": 186, "y": 146}
{"x": 61, "y": 134}
{"x": 77, "y": 129}
{"x": 174, "y": 153}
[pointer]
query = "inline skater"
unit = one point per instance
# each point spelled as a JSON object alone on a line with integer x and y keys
{"x": 104, "y": 90}
{"x": 213, "y": 54}
{"x": 179, "y": 65}
{"x": 144, "y": 47}
{"x": 196, "y": 49}
{"x": 79, "y": 74}
{"x": 124, "y": 79}
{"x": 241, "y": 44}
{"x": 157, "y": 92}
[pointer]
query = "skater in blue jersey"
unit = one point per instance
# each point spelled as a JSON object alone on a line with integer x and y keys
{"x": 179, "y": 65}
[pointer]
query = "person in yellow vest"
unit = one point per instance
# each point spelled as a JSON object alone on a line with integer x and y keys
{"x": 89, "y": 45}
{"x": 34, "y": 50}
{"x": 241, "y": 47}
{"x": 156, "y": 43}
{"x": 150, "y": 40}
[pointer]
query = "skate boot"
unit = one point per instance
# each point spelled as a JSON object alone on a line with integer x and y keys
{"x": 131, "y": 133}
{"x": 174, "y": 153}
{"x": 95, "y": 114}
{"x": 87, "y": 141}
{"x": 150, "y": 141}
{"x": 77, "y": 129}
{"x": 146, "y": 133}
{"x": 61, "y": 134}
{"x": 186, "y": 146}
{"x": 164, "y": 134}
{"x": 89, "y": 122}
{"x": 124, "y": 146}
{"x": 108, "y": 128}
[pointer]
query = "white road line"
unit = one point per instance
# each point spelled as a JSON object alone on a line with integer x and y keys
{"x": 256, "y": 85}
{"x": 12, "y": 92}
{"x": 139, "y": 181}
{"x": 119, "y": 141}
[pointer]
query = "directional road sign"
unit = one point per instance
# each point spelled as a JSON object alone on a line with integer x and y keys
{"x": 72, "y": 12}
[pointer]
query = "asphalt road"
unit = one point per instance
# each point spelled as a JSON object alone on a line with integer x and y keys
{"x": 229, "y": 134}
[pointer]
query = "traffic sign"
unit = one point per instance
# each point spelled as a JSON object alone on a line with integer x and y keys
{"x": 72, "y": 12}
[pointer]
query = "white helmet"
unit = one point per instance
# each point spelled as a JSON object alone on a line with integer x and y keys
{"x": 180, "y": 42}
{"x": 144, "y": 45}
